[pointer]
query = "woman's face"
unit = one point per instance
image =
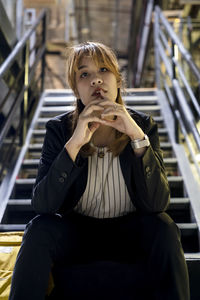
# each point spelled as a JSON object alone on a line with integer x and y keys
{"x": 95, "y": 82}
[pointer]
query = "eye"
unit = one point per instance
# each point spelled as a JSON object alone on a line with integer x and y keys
{"x": 83, "y": 75}
{"x": 103, "y": 69}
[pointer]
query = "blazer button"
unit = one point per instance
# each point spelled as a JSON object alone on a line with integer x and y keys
{"x": 61, "y": 179}
{"x": 148, "y": 171}
{"x": 64, "y": 174}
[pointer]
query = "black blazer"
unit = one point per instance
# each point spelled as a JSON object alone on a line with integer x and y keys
{"x": 61, "y": 182}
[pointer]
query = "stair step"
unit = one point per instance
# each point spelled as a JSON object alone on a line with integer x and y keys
{"x": 179, "y": 210}
{"x": 39, "y": 132}
{"x": 158, "y": 119}
{"x": 188, "y": 234}
{"x": 61, "y": 100}
{"x": 30, "y": 163}
{"x": 185, "y": 228}
{"x": 33, "y": 163}
{"x": 19, "y": 205}
{"x": 35, "y": 147}
{"x": 188, "y": 227}
{"x": 23, "y": 187}
{"x": 170, "y": 161}
{"x": 162, "y": 131}
{"x": 189, "y": 237}
{"x": 12, "y": 227}
{"x": 31, "y": 181}
{"x": 25, "y": 181}
{"x": 129, "y": 100}
{"x": 38, "y": 146}
{"x": 56, "y": 109}
{"x": 42, "y": 132}
{"x": 175, "y": 203}
{"x": 175, "y": 179}
{"x": 41, "y": 121}
{"x": 146, "y": 108}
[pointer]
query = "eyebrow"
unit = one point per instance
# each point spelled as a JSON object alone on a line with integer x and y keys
{"x": 82, "y": 67}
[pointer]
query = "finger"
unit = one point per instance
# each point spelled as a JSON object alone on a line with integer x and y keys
{"x": 88, "y": 119}
{"x": 91, "y": 109}
{"x": 93, "y": 126}
{"x": 111, "y": 112}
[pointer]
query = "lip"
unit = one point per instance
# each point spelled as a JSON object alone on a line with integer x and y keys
{"x": 98, "y": 91}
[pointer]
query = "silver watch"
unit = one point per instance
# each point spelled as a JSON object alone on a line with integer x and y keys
{"x": 137, "y": 144}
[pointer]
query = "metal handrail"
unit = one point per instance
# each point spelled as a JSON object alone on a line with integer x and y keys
{"x": 169, "y": 80}
{"x": 19, "y": 46}
{"x": 187, "y": 56}
{"x": 23, "y": 91}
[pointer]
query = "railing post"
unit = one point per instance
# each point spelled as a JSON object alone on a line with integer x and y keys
{"x": 24, "y": 105}
{"x": 156, "y": 42}
{"x": 176, "y": 105}
{"x": 43, "y": 57}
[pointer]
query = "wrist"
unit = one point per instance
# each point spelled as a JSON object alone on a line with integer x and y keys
{"x": 72, "y": 149}
{"x": 140, "y": 143}
{"x": 137, "y": 134}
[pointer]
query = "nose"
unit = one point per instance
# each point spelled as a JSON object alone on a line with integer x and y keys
{"x": 96, "y": 81}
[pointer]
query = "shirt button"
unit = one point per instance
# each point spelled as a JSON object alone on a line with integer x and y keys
{"x": 61, "y": 179}
{"x": 147, "y": 169}
{"x": 64, "y": 175}
{"x": 149, "y": 174}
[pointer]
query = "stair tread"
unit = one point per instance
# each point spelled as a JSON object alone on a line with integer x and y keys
{"x": 39, "y": 131}
{"x": 187, "y": 225}
{"x": 162, "y": 145}
{"x": 35, "y": 161}
{"x": 42, "y": 120}
{"x": 175, "y": 178}
{"x": 65, "y": 108}
{"x": 70, "y": 99}
{"x": 56, "y": 108}
{"x": 180, "y": 200}
{"x": 19, "y": 202}
{"x": 32, "y": 180}
{"x": 12, "y": 227}
{"x": 8, "y": 227}
{"x": 192, "y": 256}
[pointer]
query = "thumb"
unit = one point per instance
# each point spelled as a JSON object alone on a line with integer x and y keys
{"x": 94, "y": 127}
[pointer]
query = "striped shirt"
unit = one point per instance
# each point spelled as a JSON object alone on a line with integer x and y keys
{"x": 106, "y": 194}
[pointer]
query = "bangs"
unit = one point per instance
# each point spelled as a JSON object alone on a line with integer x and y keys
{"x": 98, "y": 53}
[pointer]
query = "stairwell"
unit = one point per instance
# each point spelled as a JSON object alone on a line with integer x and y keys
{"x": 18, "y": 210}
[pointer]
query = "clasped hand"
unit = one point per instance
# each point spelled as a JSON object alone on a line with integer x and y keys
{"x": 104, "y": 112}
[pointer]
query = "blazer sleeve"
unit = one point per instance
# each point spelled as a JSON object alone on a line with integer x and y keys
{"x": 151, "y": 187}
{"x": 56, "y": 173}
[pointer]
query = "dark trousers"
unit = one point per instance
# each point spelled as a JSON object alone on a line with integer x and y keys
{"x": 151, "y": 240}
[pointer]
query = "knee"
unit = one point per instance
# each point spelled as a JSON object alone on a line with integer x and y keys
{"x": 162, "y": 229}
{"x": 41, "y": 228}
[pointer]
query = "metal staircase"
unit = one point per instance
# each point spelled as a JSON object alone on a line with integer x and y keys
{"x": 18, "y": 171}
{"x": 53, "y": 102}
{"x": 18, "y": 211}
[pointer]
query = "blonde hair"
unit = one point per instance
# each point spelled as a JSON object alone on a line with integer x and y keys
{"x": 100, "y": 53}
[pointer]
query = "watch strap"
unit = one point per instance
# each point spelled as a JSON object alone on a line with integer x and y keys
{"x": 137, "y": 144}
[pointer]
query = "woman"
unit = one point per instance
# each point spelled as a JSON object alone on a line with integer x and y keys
{"x": 101, "y": 189}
